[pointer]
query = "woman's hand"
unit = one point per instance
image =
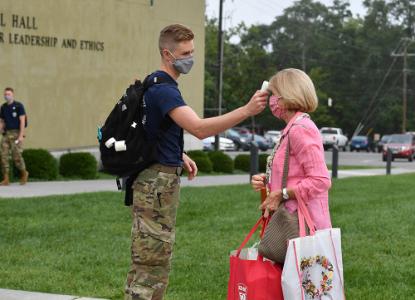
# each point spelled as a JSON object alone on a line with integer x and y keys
{"x": 271, "y": 203}
{"x": 258, "y": 182}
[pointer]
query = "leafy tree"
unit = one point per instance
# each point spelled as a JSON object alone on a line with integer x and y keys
{"x": 348, "y": 58}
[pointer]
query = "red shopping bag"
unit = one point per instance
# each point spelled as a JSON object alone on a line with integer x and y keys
{"x": 254, "y": 279}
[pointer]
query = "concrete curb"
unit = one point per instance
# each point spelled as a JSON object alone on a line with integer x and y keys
{"x": 51, "y": 188}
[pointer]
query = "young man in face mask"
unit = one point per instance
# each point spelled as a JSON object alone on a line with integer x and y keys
{"x": 12, "y": 124}
{"x": 156, "y": 189}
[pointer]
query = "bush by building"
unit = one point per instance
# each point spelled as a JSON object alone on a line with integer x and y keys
{"x": 40, "y": 164}
{"x": 221, "y": 162}
{"x": 80, "y": 164}
{"x": 243, "y": 162}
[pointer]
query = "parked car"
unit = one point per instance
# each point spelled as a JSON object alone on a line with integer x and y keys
{"x": 263, "y": 144}
{"x": 273, "y": 136}
{"x": 224, "y": 144}
{"x": 401, "y": 145}
{"x": 361, "y": 142}
{"x": 241, "y": 130}
{"x": 382, "y": 142}
{"x": 333, "y": 136}
{"x": 234, "y": 135}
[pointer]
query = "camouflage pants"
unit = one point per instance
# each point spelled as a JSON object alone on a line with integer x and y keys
{"x": 156, "y": 198}
{"x": 8, "y": 144}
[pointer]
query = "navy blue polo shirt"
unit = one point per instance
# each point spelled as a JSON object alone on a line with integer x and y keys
{"x": 10, "y": 113}
{"x": 160, "y": 99}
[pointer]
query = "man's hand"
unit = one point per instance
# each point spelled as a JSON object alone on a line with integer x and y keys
{"x": 272, "y": 202}
{"x": 190, "y": 166}
{"x": 20, "y": 139}
{"x": 257, "y": 103}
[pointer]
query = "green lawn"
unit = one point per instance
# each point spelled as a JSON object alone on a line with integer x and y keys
{"x": 80, "y": 244}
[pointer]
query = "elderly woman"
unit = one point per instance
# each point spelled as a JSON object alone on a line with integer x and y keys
{"x": 293, "y": 96}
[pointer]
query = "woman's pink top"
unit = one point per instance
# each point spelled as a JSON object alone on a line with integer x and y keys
{"x": 307, "y": 173}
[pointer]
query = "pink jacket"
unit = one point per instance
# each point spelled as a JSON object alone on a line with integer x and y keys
{"x": 307, "y": 172}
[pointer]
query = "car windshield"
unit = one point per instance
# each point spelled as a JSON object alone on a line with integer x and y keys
{"x": 359, "y": 138}
{"x": 232, "y": 133}
{"x": 329, "y": 131}
{"x": 400, "y": 139}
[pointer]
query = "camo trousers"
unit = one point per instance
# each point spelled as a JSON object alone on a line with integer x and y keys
{"x": 156, "y": 198}
{"x": 8, "y": 144}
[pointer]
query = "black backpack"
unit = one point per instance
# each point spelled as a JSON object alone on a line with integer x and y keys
{"x": 123, "y": 143}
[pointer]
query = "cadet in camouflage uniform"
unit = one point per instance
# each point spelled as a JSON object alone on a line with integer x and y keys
{"x": 13, "y": 122}
{"x": 156, "y": 189}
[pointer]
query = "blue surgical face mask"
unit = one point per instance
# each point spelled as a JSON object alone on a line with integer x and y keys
{"x": 8, "y": 98}
{"x": 183, "y": 65}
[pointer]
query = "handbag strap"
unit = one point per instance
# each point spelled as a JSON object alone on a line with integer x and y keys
{"x": 248, "y": 237}
{"x": 286, "y": 163}
{"x": 303, "y": 213}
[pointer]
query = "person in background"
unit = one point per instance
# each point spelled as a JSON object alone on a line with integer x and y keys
{"x": 12, "y": 124}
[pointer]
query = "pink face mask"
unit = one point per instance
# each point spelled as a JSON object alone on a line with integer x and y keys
{"x": 275, "y": 107}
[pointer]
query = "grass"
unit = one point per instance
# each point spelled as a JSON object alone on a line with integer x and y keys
{"x": 79, "y": 244}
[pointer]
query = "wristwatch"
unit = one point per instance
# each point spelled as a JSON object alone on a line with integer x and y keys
{"x": 285, "y": 195}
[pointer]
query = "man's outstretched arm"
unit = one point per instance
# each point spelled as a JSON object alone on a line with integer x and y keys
{"x": 186, "y": 118}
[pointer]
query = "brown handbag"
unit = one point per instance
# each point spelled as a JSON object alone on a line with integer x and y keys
{"x": 282, "y": 225}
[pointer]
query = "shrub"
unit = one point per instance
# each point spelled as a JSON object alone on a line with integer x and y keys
{"x": 196, "y": 153}
{"x": 243, "y": 162}
{"x": 263, "y": 162}
{"x": 203, "y": 164}
{"x": 221, "y": 162}
{"x": 81, "y": 164}
{"x": 40, "y": 164}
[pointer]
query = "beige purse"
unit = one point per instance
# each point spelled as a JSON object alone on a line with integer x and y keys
{"x": 282, "y": 225}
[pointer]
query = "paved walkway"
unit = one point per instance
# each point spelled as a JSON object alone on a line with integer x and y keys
{"x": 21, "y": 295}
{"x": 35, "y": 189}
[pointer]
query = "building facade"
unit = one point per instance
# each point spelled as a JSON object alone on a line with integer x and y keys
{"x": 70, "y": 61}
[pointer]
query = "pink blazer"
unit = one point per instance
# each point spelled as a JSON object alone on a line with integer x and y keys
{"x": 307, "y": 173}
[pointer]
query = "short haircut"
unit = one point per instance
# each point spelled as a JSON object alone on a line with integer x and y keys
{"x": 9, "y": 89}
{"x": 296, "y": 90}
{"x": 173, "y": 34}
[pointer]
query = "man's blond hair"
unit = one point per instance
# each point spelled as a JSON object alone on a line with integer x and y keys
{"x": 296, "y": 89}
{"x": 173, "y": 34}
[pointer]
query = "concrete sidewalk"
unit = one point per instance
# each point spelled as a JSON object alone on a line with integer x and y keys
{"x": 22, "y": 295}
{"x": 37, "y": 189}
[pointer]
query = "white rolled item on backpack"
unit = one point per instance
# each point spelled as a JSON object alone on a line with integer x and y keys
{"x": 120, "y": 146}
{"x": 110, "y": 142}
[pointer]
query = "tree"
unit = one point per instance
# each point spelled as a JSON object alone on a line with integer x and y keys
{"x": 348, "y": 58}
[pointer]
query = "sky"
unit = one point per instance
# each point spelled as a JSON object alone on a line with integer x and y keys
{"x": 260, "y": 11}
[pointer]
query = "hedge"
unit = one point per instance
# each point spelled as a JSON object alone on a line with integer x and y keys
{"x": 243, "y": 162}
{"x": 221, "y": 162}
{"x": 203, "y": 164}
{"x": 40, "y": 164}
{"x": 196, "y": 153}
{"x": 80, "y": 164}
